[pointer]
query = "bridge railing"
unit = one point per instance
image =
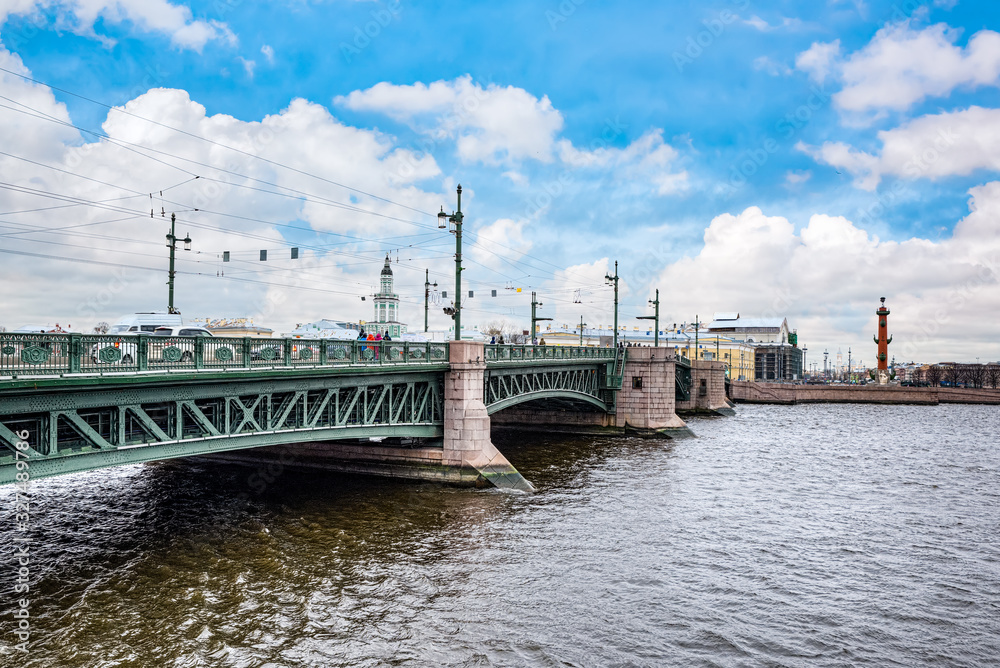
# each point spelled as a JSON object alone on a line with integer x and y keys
{"x": 527, "y": 352}
{"x": 60, "y": 354}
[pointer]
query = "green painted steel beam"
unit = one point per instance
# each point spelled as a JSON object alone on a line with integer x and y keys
{"x": 545, "y": 394}
{"x": 87, "y": 461}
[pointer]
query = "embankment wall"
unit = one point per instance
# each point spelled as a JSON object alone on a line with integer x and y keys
{"x": 779, "y": 393}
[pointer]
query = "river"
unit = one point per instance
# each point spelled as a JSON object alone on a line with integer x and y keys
{"x": 821, "y": 535}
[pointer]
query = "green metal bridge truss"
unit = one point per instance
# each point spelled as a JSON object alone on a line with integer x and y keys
{"x": 72, "y": 403}
{"x": 682, "y": 379}
{"x": 507, "y": 387}
{"x": 517, "y": 374}
{"x": 69, "y": 429}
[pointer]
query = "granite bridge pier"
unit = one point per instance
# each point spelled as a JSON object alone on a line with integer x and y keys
{"x": 71, "y": 403}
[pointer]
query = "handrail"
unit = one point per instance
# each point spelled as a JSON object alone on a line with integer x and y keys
{"x": 66, "y": 354}
{"x": 499, "y": 353}
{"x": 63, "y": 354}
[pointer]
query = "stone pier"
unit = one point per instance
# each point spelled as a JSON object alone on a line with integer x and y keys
{"x": 465, "y": 455}
{"x": 644, "y": 406}
{"x": 467, "y": 446}
{"x": 708, "y": 389}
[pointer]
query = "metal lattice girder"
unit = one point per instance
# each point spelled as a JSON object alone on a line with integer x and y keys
{"x": 682, "y": 379}
{"x": 507, "y": 386}
{"x": 79, "y": 428}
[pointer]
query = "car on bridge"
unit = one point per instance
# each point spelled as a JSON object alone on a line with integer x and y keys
{"x": 181, "y": 349}
{"x": 124, "y": 350}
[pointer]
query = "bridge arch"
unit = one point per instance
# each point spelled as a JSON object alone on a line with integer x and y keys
{"x": 575, "y": 396}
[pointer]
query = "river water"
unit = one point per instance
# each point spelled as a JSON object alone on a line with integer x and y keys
{"x": 825, "y": 535}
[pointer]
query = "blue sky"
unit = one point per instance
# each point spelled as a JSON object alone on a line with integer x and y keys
{"x": 639, "y": 134}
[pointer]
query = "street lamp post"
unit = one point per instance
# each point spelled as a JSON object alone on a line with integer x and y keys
{"x": 582, "y": 325}
{"x": 427, "y": 294}
{"x": 697, "y": 326}
{"x": 655, "y": 303}
{"x": 613, "y": 280}
{"x": 534, "y": 318}
{"x": 454, "y": 223}
{"x": 172, "y": 245}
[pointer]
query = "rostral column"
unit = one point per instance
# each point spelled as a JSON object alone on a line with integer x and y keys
{"x": 883, "y": 339}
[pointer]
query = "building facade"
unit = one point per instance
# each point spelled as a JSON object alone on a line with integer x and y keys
{"x": 751, "y": 330}
{"x": 386, "y": 307}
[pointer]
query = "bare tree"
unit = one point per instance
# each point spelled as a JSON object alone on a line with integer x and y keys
{"x": 505, "y": 328}
{"x": 101, "y": 328}
{"x": 933, "y": 375}
{"x": 951, "y": 373}
{"x": 975, "y": 374}
{"x": 993, "y": 375}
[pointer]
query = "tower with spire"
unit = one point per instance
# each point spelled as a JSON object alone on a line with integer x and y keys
{"x": 387, "y": 306}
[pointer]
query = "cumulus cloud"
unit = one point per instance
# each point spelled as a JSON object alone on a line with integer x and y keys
{"x": 794, "y": 177}
{"x": 648, "y": 157}
{"x": 819, "y": 60}
{"x": 503, "y": 238}
{"x": 933, "y": 147}
{"x": 160, "y": 16}
{"x": 506, "y": 126}
{"x": 763, "y": 26}
{"x": 492, "y": 124}
{"x": 827, "y": 279}
{"x": 902, "y": 66}
{"x": 223, "y": 210}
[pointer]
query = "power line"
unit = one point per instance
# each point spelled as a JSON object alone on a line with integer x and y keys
{"x": 190, "y": 134}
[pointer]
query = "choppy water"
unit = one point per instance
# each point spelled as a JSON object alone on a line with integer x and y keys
{"x": 787, "y": 536}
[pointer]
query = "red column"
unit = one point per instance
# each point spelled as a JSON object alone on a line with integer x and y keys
{"x": 883, "y": 339}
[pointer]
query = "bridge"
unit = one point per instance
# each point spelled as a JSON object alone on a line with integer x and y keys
{"x": 71, "y": 402}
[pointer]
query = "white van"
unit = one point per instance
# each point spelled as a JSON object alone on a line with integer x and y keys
{"x": 145, "y": 322}
{"x": 124, "y": 352}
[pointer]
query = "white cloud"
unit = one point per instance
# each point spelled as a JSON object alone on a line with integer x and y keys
{"x": 501, "y": 239}
{"x": 771, "y": 66}
{"x": 647, "y": 157}
{"x": 304, "y": 136}
{"x": 507, "y": 125}
{"x": 819, "y": 60}
{"x": 793, "y": 177}
{"x": 248, "y": 65}
{"x": 933, "y": 147}
{"x": 493, "y": 125}
{"x": 80, "y": 16}
{"x": 268, "y": 53}
{"x": 517, "y": 178}
{"x": 902, "y": 66}
{"x": 763, "y": 26}
{"x": 827, "y": 279}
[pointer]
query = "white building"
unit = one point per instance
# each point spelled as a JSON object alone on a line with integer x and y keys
{"x": 386, "y": 307}
{"x": 751, "y": 330}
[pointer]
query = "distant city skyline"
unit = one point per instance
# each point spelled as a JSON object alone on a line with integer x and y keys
{"x": 734, "y": 156}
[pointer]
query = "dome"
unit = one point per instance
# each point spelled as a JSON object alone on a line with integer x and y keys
{"x": 386, "y": 271}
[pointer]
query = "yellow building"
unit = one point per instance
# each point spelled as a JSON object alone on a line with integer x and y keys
{"x": 738, "y": 356}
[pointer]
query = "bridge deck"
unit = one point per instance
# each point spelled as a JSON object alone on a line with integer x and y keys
{"x": 83, "y": 402}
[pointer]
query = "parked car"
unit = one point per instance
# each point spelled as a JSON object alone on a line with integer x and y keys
{"x": 181, "y": 350}
{"x": 125, "y": 351}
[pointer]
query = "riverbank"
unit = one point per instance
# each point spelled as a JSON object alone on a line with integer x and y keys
{"x": 779, "y": 393}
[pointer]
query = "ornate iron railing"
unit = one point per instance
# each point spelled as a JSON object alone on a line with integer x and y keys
{"x": 61, "y": 354}
{"x": 521, "y": 353}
